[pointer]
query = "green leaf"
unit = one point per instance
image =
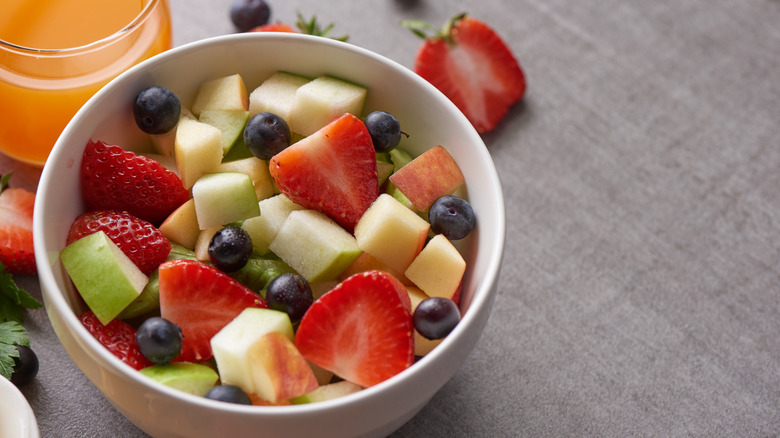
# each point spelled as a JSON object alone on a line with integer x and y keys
{"x": 11, "y": 334}
{"x": 13, "y": 299}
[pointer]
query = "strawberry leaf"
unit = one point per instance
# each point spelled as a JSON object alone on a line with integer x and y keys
{"x": 11, "y": 334}
{"x": 13, "y": 299}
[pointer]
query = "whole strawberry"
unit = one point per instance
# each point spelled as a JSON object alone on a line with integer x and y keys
{"x": 470, "y": 63}
{"x": 141, "y": 241}
{"x": 118, "y": 337}
{"x": 113, "y": 178}
{"x": 16, "y": 241}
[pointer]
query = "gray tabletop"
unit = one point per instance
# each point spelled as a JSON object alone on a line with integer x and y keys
{"x": 640, "y": 293}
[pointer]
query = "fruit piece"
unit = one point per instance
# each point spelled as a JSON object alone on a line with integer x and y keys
{"x": 273, "y": 213}
{"x": 276, "y": 94}
{"x": 25, "y": 366}
{"x": 103, "y": 275}
{"x": 192, "y": 378}
{"x": 361, "y": 330}
{"x": 323, "y": 100}
{"x": 367, "y": 262}
{"x": 391, "y": 232}
{"x": 259, "y": 272}
{"x": 118, "y": 337}
{"x": 258, "y": 172}
{"x": 115, "y": 179}
{"x": 230, "y": 248}
{"x": 141, "y": 241}
{"x": 452, "y": 216}
{"x": 165, "y": 144}
{"x": 431, "y": 175}
{"x": 470, "y": 63}
{"x": 314, "y": 245}
{"x": 332, "y": 170}
{"x": 249, "y": 14}
{"x": 422, "y": 345}
{"x": 327, "y": 392}
{"x": 229, "y": 394}
{"x": 438, "y": 269}
{"x": 201, "y": 300}
{"x": 223, "y": 93}
{"x": 156, "y": 110}
{"x": 436, "y": 317}
{"x": 198, "y": 150}
{"x": 16, "y": 240}
{"x": 384, "y": 129}
{"x": 182, "y": 225}
{"x": 274, "y": 27}
{"x": 230, "y": 122}
{"x": 159, "y": 340}
{"x": 383, "y": 171}
{"x": 224, "y": 197}
{"x": 255, "y": 352}
{"x": 202, "y": 243}
{"x": 266, "y": 134}
{"x": 291, "y": 294}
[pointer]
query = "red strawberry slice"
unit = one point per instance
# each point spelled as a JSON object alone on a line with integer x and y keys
{"x": 16, "y": 239}
{"x": 332, "y": 170}
{"x": 141, "y": 241}
{"x": 118, "y": 337}
{"x": 470, "y": 63}
{"x": 274, "y": 27}
{"x": 116, "y": 179}
{"x": 201, "y": 300}
{"x": 361, "y": 330}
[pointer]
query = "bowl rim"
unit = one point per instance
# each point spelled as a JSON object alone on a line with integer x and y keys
{"x": 54, "y": 298}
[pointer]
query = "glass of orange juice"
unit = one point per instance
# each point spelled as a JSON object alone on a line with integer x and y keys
{"x": 55, "y": 54}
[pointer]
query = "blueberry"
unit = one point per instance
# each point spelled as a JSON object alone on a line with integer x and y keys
{"x": 230, "y": 248}
{"x": 159, "y": 340}
{"x": 25, "y": 366}
{"x": 289, "y": 293}
{"x": 384, "y": 129}
{"x": 156, "y": 110}
{"x": 266, "y": 134}
{"x": 435, "y": 317}
{"x": 248, "y": 14}
{"x": 229, "y": 394}
{"x": 451, "y": 216}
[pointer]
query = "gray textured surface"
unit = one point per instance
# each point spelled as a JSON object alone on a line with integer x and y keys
{"x": 640, "y": 290}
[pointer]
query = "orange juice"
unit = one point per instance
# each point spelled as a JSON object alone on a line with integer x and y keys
{"x": 55, "y": 54}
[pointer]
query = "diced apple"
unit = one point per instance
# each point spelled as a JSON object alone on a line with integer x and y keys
{"x": 225, "y": 93}
{"x": 438, "y": 269}
{"x": 230, "y": 122}
{"x": 391, "y": 233}
{"x": 201, "y": 249}
{"x": 322, "y": 375}
{"x": 103, "y": 275}
{"x": 273, "y": 212}
{"x": 321, "y": 101}
{"x": 257, "y": 170}
{"x": 198, "y": 150}
{"x": 314, "y": 245}
{"x": 167, "y": 161}
{"x": 422, "y": 345}
{"x": 276, "y": 94}
{"x": 192, "y": 378}
{"x": 328, "y": 392}
{"x": 367, "y": 262}
{"x": 383, "y": 171}
{"x": 279, "y": 370}
{"x": 224, "y": 197}
{"x": 165, "y": 144}
{"x": 181, "y": 226}
{"x": 431, "y": 175}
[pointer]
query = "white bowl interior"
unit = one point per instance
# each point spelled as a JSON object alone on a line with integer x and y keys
{"x": 423, "y": 112}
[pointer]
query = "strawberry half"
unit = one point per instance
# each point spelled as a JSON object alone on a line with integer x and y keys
{"x": 274, "y": 27}
{"x": 332, "y": 170}
{"x": 201, "y": 300}
{"x": 118, "y": 337}
{"x": 470, "y": 63}
{"x": 113, "y": 178}
{"x": 16, "y": 238}
{"x": 361, "y": 330}
{"x": 141, "y": 241}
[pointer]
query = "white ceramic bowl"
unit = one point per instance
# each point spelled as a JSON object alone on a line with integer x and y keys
{"x": 16, "y": 416}
{"x": 423, "y": 112}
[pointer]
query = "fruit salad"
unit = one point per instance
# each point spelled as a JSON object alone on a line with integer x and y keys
{"x": 277, "y": 246}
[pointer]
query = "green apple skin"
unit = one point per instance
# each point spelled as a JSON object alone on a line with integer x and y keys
{"x": 230, "y": 122}
{"x": 327, "y": 392}
{"x": 224, "y": 197}
{"x": 192, "y": 378}
{"x": 400, "y": 158}
{"x": 104, "y": 276}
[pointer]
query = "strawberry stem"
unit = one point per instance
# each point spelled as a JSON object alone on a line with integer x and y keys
{"x": 4, "y": 181}
{"x": 426, "y": 30}
{"x": 312, "y": 27}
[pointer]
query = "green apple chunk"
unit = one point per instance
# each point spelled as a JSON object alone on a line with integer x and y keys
{"x": 276, "y": 94}
{"x": 273, "y": 212}
{"x": 104, "y": 276}
{"x": 224, "y": 197}
{"x": 321, "y": 101}
{"x": 257, "y": 170}
{"x": 327, "y": 392}
{"x": 230, "y": 122}
{"x": 192, "y": 378}
{"x": 181, "y": 226}
{"x": 314, "y": 245}
{"x": 198, "y": 149}
{"x": 225, "y": 93}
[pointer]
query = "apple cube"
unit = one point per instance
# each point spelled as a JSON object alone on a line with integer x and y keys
{"x": 276, "y": 94}
{"x": 391, "y": 233}
{"x": 383, "y": 171}
{"x": 314, "y": 245}
{"x": 422, "y": 345}
{"x": 438, "y": 269}
{"x": 431, "y": 175}
{"x": 225, "y": 93}
{"x": 181, "y": 226}
{"x": 257, "y": 170}
{"x": 273, "y": 212}
{"x": 192, "y": 378}
{"x": 230, "y": 122}
{"x": 224, "y": 197}
{"x": 198, "y": 150}
{"x": 321, "y": 101}
{"x": 201, "y": 249}
{"x": 103, "y": 275}
{"x": 328, "y": 392}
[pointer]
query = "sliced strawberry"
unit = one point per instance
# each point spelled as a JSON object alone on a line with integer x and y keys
{"x": 118, "y": 337}
{"x": 201, "y": 300}
{"x": 116, "y": 179}
{"x": 141, "y": 241}
{"x": 361, "y": 330}
{"x": 274, "y": 27}
{"x": 332, "y": 170}
{"x": 470, "y": 63}
{"x": 16, "y": 239}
